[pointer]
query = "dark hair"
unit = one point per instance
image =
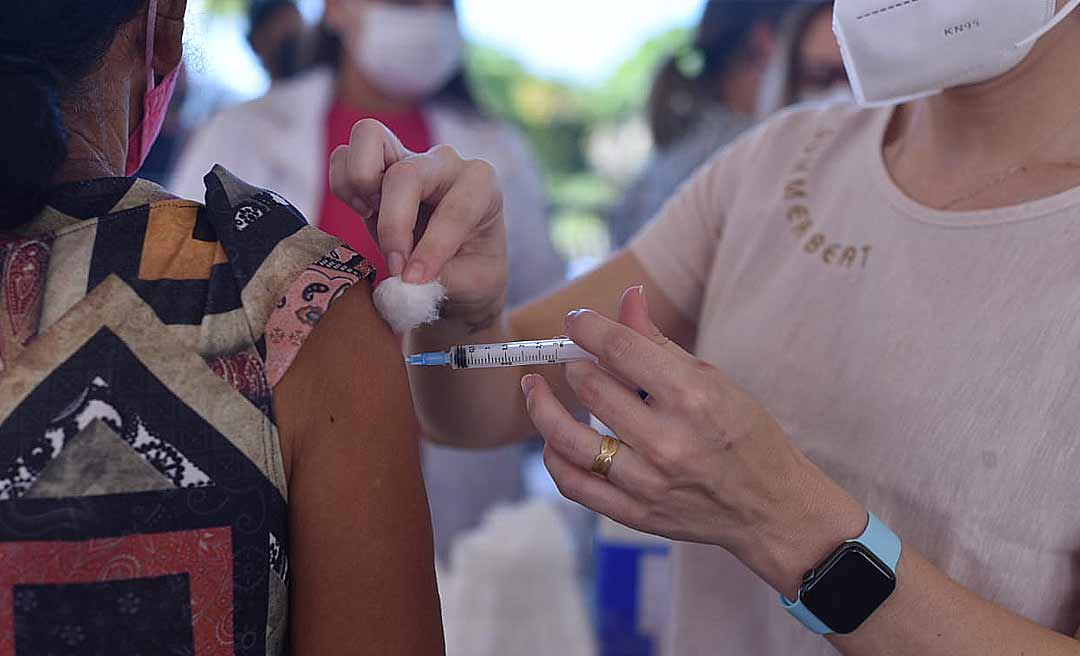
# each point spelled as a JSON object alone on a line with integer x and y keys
{"x": 687, "y": 81}
{"x": 261, "y": 11}
{"x": 457, "y": 92}
{"x": 46, "y": 49}
{"x": 791, "y": 90}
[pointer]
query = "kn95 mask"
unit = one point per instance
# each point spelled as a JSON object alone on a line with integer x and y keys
{"x": 899, "y": 50}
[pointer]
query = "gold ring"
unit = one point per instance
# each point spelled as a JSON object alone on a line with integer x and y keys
{"x": 609, "y": 446}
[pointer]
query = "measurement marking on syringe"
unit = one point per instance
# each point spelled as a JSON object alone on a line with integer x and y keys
{"x": 503, "y": 355}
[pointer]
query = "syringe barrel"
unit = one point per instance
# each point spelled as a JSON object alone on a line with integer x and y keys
{"x": 516, "y": 354}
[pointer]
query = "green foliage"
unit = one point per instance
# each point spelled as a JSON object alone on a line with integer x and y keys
{"x": 552, "y": 114}
{"x": 580, "y": 235}
{"x": 583, "y": 191}
{"x": 226, "y": 6}
{"x": 509, "y": 90}
{"x": 558, "y": 118}
{"x": 628, "y": 88}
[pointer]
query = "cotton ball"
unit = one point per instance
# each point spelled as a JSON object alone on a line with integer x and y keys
{"x": 406, "y": 306}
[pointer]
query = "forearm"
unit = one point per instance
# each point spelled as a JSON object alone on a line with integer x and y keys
{"x": 456, "y": 406}
{"x": 932, "y": 615}
{"x": 478, "y": 409}
{"x": 485, "y": 408}
{"x": 929, "y": 614}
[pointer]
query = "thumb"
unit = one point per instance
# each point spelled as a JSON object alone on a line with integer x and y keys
{"x": 634, "y": 313}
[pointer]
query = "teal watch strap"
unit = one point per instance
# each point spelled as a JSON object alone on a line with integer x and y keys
{"x": 803, "y": 614}
{"x": 881, "y": 541}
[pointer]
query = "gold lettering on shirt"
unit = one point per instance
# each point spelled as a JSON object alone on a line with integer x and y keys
{"x": 831, "y": 253}
{"x": 849, "y": 255}
{"x": 797, "y": 193}
{"x": 795, "y": 189}
{"x": 815, "y": 243}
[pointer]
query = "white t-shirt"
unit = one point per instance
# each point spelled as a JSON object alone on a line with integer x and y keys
{"x": 928, "y": 361}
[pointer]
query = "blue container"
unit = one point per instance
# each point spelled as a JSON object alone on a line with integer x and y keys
{"x": 633, "y": 590}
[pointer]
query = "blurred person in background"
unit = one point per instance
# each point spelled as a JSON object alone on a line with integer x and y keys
{"x": 701, "y": 100}
{"x": 277, "y": 35}
{"x": 788, "y": 54}
{"x": 807, "y": 65}
{"x": 198, "y": 452}
{"x": 400, "y": 62}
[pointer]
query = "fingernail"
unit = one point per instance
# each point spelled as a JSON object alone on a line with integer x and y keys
{"x": 644, "y": 299}
{"x": 570, "y": 318}
{"x": 414, "y": 273}
{"x": 527, "y": 383}
{"x": 395, "y": 262}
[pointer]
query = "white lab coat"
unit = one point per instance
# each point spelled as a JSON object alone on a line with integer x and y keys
{"x": 278, "y": 142}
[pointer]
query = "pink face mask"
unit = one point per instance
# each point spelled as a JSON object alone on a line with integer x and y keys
{"x": 155, "y": 102}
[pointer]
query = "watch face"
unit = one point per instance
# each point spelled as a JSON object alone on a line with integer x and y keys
{"x": 848, "y": 588}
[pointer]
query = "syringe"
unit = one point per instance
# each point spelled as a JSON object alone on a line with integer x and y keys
{"x": 506, "y": 354}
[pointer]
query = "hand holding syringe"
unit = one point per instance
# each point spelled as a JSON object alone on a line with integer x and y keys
{"x": 505, "y": 354}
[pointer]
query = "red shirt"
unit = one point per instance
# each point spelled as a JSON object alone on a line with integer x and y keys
{"x": 337, "y": 218}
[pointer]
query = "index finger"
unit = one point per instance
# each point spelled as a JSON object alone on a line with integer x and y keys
{"x": 357, "y": 170}
{"x": 468, "y": 211}
{"x": 423, "y": 178}
{"x": 657, "y": 369}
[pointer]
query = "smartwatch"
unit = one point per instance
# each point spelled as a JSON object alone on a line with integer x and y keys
{"x": 845, "y": 589}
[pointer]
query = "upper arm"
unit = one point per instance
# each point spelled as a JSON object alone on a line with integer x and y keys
{"x": 361, "y": 555}
{"x": 600, "y": 290}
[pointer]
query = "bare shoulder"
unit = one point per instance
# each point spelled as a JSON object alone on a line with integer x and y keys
{"x": 349, "y": 369}
{"x": 362, "y": 560}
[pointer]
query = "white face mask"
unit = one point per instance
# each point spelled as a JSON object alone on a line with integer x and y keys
{"x": 899, "y": 50}
{"x": 408, "y": 52}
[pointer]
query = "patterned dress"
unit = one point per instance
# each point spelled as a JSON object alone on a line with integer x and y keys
{"x": 142, "y": 489}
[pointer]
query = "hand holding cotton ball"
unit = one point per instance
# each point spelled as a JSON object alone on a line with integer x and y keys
{"x": 406, "y": 306}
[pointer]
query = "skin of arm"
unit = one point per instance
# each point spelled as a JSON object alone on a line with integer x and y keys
{"x": 361, "y": 556}
{"x": 479, "y": 409}
{"x": 932, "y": 615}
{"x": 929, "y": 614}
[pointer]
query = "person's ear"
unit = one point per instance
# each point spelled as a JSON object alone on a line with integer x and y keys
{"x": 169, "y": 35}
